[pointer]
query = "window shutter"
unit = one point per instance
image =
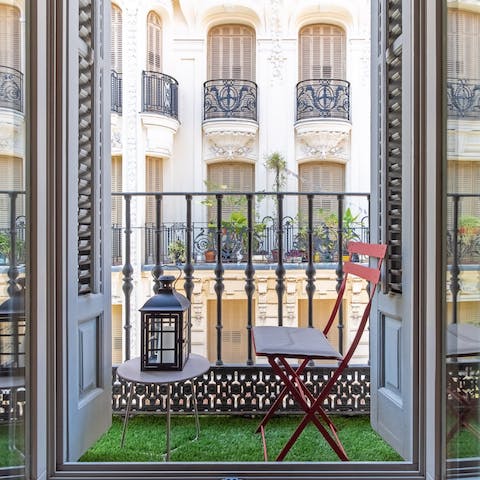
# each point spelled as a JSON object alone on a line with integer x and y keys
{"x": 116, "y": 39}
{"x": 11, "y": 179}
{"x": 10, "y": 37}
{"x": 154, "y": 183}
{"x": 463, "y": 44}
{"x": 154, "y": 42}
{"x": 321, "y": 177}
{"x": 322, "y": 52}
{"x": 117, "y": 187}
{"x": 117, "y": 334}
{"x": 232, "y": 177}
{"x": 231, "y": 53}
{"x": 464, "y": 177}
{"x": 86, "y": 201}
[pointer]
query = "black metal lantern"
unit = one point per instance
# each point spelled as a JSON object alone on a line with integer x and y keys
{"x": 165, "y": 342}
{"x": 12, "y": 332}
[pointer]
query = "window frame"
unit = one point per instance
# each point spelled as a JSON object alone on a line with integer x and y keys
{"x": 47, "y": 333}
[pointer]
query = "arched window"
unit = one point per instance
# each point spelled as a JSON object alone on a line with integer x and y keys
{"x": 463, "y": 45}
{"x": 231, "y": 53}
{"x": 322, "y": 52}
{"x": 154, "y": 42}
{"x": 10, "y": 37}
{"x": 321, "y": 177}
{"x": 116, "y": 39}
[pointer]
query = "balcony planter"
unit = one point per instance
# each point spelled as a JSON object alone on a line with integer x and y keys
{"x": 210, "y": 256}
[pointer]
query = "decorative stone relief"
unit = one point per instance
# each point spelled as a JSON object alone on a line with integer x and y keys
{"x": 12, "y": 138}
{"x": 324, "y": 144}
{"x": 230, "y": 140}
{"x": 277, "y": 57}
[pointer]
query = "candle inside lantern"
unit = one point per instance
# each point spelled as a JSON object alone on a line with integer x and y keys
{"x": 168, "y": 344}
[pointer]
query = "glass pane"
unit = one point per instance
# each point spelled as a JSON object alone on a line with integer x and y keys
{"x": 463, "y": 239}
{"x": 13, "y": 239}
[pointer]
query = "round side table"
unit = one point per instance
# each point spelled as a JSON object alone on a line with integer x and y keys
{"x": 130, "y": 371}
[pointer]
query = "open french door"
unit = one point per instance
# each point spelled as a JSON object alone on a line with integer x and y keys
{"x": 393, "y": 322}
{"x": 87, "y": 375}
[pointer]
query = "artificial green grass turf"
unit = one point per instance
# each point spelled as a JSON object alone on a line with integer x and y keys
{"x": 10, "y": 457}
{"x": 233, "y": 439}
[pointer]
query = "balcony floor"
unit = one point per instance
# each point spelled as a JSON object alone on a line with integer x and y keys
{"x": 233, "y": 439}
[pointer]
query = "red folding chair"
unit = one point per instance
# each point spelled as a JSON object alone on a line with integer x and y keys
{"x": 281, "y": 343}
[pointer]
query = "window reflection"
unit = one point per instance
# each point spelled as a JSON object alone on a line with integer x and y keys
{"x": 463, "y": 237}
{"x": 13, "y": 320}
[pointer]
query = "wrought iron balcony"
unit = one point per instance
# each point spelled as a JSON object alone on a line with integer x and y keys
{"x": 230, "y": 99}
{"x": 463, "y": 98}
{"x": 116, "y": 92}
{"x": 323, "y": 99}
{"x": 11, "y": 88}
{"x": 159, "y": 94}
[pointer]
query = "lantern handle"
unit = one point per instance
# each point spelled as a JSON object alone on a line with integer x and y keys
{"x": 179, "y": 275}
{"x": 179, "y": 270}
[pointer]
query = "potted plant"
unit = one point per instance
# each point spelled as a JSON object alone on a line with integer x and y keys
{"x": 176, "y": 251}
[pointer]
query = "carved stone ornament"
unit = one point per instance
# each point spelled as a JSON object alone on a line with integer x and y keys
{"x": 230, "y": 140}
{"x": 323, "y": 140}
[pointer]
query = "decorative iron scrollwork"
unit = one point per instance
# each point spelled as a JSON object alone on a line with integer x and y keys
{"x": 160, "y": 94}
{"x": 323, "y": 98}
{"x": 11, "y": 88}
{"x": 463, "y": 98}
{"x": 230, "y": 99}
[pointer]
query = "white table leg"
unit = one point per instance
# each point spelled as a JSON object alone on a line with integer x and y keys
{"x": 127, "y": 413}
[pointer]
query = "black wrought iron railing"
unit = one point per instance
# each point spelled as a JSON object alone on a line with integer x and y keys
{"x": 11, "y": 88}
{"x": 463, "y": 98}
{"x": 463, "y": 243}
{"x": 159, "y": 94}
{"x": 116, "y": 91}
{"x": 245, "y": 242}
{"x": 229, "y": 98}
{"x": 323, "y": 98}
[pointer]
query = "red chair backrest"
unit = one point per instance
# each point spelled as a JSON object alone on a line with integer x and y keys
{"x": 371, "y": 274}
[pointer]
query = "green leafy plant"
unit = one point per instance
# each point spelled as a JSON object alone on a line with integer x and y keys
{"x": 177, "y": 251}
{"x": 277, "y": 163}
{"x": 469, "y": 225}
{"x": 5, "y": 247}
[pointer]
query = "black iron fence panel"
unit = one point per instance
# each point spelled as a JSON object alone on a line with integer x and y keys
{"x": 116, "y": 91}
{"x": 246, "y": 390}
{"x": 159, "y": 94}
{"x": 230, "y": 98}
{"x": 11, "y": 88}
{"x": 463, "y": 98}
{"x": 323, "y": 98}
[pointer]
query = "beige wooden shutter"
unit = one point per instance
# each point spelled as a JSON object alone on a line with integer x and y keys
{"x": 464, "y": 177}
{"x": 463, "y": 44}
{"x": 234, "y": 331}
{"x": 117, "y": 187}
{"x": 10, "y": 37}
{"x": 117, "y": 334}
{"x": 320, "y": 177}
{"x": 322, "y": 52}
{"x": 231, "y": 177}
{"x": 154, "y": 183}
{"x": 116, "y": 39}
{"x": 154, "y": 42}
{"x": 11, "y": 179}
{"x": 231, "y": 53}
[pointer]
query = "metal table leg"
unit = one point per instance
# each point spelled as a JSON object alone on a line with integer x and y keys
{"x": 168, "y": 423}
{"x": 127, "y": 414}
{"x": 195, "y": 409}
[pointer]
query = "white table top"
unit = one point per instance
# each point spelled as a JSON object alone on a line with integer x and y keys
{"x": 130, "y": 370}
{"x": 463, "y": 340}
